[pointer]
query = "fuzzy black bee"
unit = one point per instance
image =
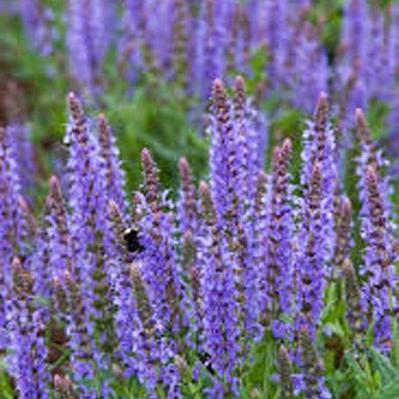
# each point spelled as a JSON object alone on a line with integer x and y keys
{"x": 132, "y": 240}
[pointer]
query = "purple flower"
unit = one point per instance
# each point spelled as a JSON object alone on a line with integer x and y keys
{"x": 209, "y": 46}
{"x": 37, "y": 20}
{"x": 110, "y": 165}
{"x": 378, "y": 291}
{"x": 87, "y": 199}
{"x": 310, "y": 264}
{"x": 160, "y": 270}
{"x": 187, "y": 206}
{"x": 251, "y": 144}
{"x": 21, "y": 331}
{"x": 221, "y": 333}
{"x": 310, "y": 56}
{"x": 135, "y": 347}
{"x": 14, "y": 224}
{"x": 22, "y": 150}
{"x": 89, "y": 33}
{"x": 280, "y": 229}
{"x": 319, "y": 146}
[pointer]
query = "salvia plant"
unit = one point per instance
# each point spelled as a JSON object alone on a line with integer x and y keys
{"x": 251, "y": 284}
{"x": 280, "y": 45}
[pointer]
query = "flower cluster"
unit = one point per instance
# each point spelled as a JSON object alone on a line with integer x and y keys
{"x": 170, "y": 294}
{"x": 192, "y": 43}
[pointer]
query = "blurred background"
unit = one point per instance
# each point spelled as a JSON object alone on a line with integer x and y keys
{"x": 149, "y": 66}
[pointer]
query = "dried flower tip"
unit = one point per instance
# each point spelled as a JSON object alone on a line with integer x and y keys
{"x": 240, "y": 84}
{"x": 240, "y": 96}
{"x": 181, "y": 364}
{"x": 75, "y": 108}
{"x": 185, "y": 170}
{"x": 151, "y": 180}
{"x": 350, "y": 276}
{"x": 55, "y": 189}
{"x": 219, "y": 96}
{"x": 113, "y": 210}
{"x": 321, "y": 112}
{"x": 104, "y": 131}
{"x": 362, "y": 129}
{"x": 345, "y": 208}
{"x": 28, "y": 215}
{"x": 62, "y": 383}
{"x": 287, "y": 147}
{"x": 207, "y": 203}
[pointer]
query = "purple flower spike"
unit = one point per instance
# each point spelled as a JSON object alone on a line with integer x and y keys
{"x": 21, "y": 332}
{"x": 311, "y": 267}
{"x": 37, "y": 21}
{"x": 223, "y": 155}
{"x": 188, "y": 199}
{"x": 88, "y": 203}
{"x": 15, "y": 234}
{"x": 88, "y": 37}
{"x": 160, "y": 270}
{"x": 279, "y": 260}
{"x": 319, "y": 146}
{"x": 23, "y": 151}
{"x": 379, "y": 263}
{"x": 251, "y": 142}
{"x": 110, "y": 164}
{"x": 135, "y": 348}
{"x": 220, "y": 340}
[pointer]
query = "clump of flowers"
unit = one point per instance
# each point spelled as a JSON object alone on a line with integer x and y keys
{"x": 177, "y": 296}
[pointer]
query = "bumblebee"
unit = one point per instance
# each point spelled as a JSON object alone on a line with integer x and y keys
{"x": 132, "y": 240}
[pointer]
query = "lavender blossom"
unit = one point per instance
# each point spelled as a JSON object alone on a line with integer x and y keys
{"x": 23, "y": 151}
{"x": 251, "y": 142}
{"x": 190, "y": 229}
{"x": 37, "y": 21}
{"x": 379, "y": 258}
{"x": 310, "y": 266}
{"x": 224, "y": 160}
{"x": 209, "y": 48}
{"x": 160, "y": 270}
{"x": 21, "y": 331}
{"x": 310, "y": 56}
{"x": 132, "y": 41}
{"x": 14, "y": 226}
{"x": 89, "y": 32}
{"x": 319, "y": 146}
{"x": 135, "y": 349}
{"x": 377, "y": 76}
{"x": 279, "y": 260}
{"x": 88, "y": 203}
{"x": 110, "y": 164}
{"x": 59, "y": 233}
{"x": 276, "y": 17}
{"x": 187, "y": 208}
{"x": 220, "y": 340}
